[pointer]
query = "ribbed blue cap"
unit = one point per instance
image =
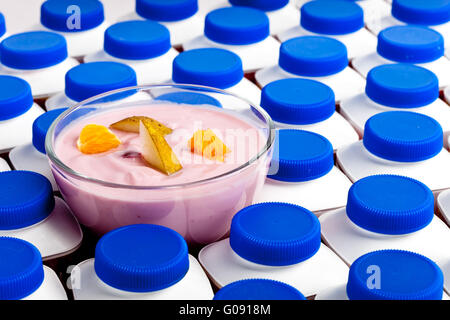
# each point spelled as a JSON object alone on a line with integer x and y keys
{"x": 394, "y": 275}
{"x": 15, "y": 97}
{"x": 424, "y": 12}
{"x": 237, "y": 25}
{"x": 26, "y": 198}
{"x": 402, "y": 86}
{"x": 332, "y": 17}
{"x": 301, "y": 156}
{"x": 72, "y": 15}
{"x": 33, "y": 50}
{"x": 166, "y": 10}
{"x": 191, "y": 98}
{"x": 41, "y": 126}
{"x": 313, "y": 56}
{"x": 211, "y": 67}
{"x": 90, "y": 79}
{"x": 390, "y": 204}
{"x": 275, "y": 234}
{"x": 2, "y": 25}
{"x": 410, "y": 44}
{"x": 264, "y": 5}
{"x": 403, "y": 136}
{"x": 298, "y": 101}
{"x": 21, "y": 270}
{"x": 137, "y": 40}
{"x": 141, "y": 258}
{"x": 258, "y": 289}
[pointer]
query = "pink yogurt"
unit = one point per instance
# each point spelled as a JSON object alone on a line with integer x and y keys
{"x": 201, "y": 212}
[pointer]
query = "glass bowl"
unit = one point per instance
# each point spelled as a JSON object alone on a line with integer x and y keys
{"x": 201, "y": 210}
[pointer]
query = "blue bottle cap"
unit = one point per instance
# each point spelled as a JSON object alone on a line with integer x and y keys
{"x": 390, "y": 204}
{"x": 332, "y": 17}
{"x": 33, "y": 50}
{"x": 2, "y": 25}
{"x": 301, "y": 156}
{"x": 264, "y": 5}
{"x": 166, "y": 10}
{"x": 258, "y": 289}
{"x": 313, "y": 56}
{"x": 410, "y": 44}
{"x": 15, "y": 97}
{"x": 72, "y": 15}
{"x": 275, "y": 234}
{"x": 192, "y": 98}
{"x": 403, "y": 136}
{"x": 141, "y": 258}
{"x": 90, "y": 79}
{"x": 211, "y": 67}
{"x": 298, "y": 101}
{"x": 394, "y": 275}
{"x": 21, "y": 270}
{"x": 402, "y": 86}
{"x": 41, "y": 126}
{"x": 26, "y": 198}
{"x": 424, "y": 12}
{"x": 237, "y": 25}
{"x": 137, "y": 40}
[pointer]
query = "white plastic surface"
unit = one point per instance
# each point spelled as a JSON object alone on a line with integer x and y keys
{"x": 50, "y": 289}
{"x": 4, "y": 165}
{"x": 443, "y": 204}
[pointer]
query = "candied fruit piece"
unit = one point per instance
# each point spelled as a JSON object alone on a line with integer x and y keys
{"x": 96, "y": 138}
{"x": 207, "y": 144}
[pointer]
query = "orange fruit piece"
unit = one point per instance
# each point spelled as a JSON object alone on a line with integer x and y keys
{"x": 207, "y": 144}
{"x": 95, "y": 138}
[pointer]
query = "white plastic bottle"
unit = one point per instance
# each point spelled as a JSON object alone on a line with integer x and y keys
{"x": 397, "y": 87}
{"x": 276, "y": 241}
{"x": 308, "y": 105}
{"x": 32, "y": 156}
{"x": 318, "y": 58}
{"x": 90, "y": 79}
{"x": 343, "y": 21}
{"x": 34, "y": 56}
{"x": 166, "y": 271}
{"x": 142, "y": 45}
{"x": 303, "y": 173}
{"x": 399, "y": 142}
{"x": 408, "y": 44}
{"x": 30, "y": 211}
{"x": 443, "y": 204}
{"x": 388, "y": 212}
{"x": 390, "y": 275}
{"x": 23, "y": 277}
{"x": 244, "y": 31}
{"x": 17, "y": 112}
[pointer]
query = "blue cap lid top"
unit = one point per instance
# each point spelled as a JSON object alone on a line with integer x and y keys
{"x": 424, "y": 12}
{"x": 15, "y": 97}
{"x": 72, "y": 15}
{"x": 237, "y": 25}
{"x": 275, "y": 234}
{"x": 403, "y": 136}
{"x": 390, "y": 204}
{"x": 141, "y": 258}
{"x": 332, "y": 17}
{"x": 166, "y": 10}
{"x": 90, "y": 79}
{"x": 410, "y": 44}
{"x": 211, "y": 67}
{"x": 258, "y": 289}
{"x": 33, "y": 50}
{"x": 137, "y": 40}
{"x": 21, "y": 270}
{"x": 301, "y": 156}
{"x": 41, "y": 126}
{"x": 298, "y": 101}
{"x": 402, "y": 86}
{"x": 191, "y": 98}
{"x": 264, "y": 5}
{"x": 26, "y": 198}
{"x": 2, "y": 25}
{"x": 313, "y": 56}
{"x": 394, "y": 275}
